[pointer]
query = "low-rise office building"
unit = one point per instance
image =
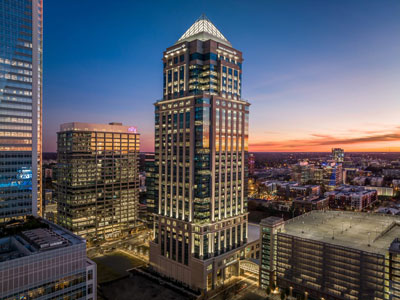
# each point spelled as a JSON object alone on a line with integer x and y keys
{"x": 333, "y": 255}
{"x": 40, "y": 260}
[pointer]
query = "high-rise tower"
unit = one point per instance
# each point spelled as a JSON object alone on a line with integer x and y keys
{"x": 21, "y": 27}
{"x": 201, "y": 141}
{"x": 97, "y": 186}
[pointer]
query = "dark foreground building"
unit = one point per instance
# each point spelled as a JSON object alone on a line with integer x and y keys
{"x": 201, "y": 149}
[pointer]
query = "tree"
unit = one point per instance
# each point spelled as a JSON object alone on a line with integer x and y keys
{"x": 273, "y": 287}
{"x": 283, "y": 296}
{"x": 268, "y": 290}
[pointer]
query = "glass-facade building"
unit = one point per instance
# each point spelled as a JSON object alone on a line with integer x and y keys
{"x": 201, "y": 154}
{"x": 40, "y": 260}
{"x": 21, "y": 27}
{"x": 97, "y": 187}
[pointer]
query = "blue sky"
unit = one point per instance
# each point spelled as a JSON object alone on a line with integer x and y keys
{"x": 318, "y": 73}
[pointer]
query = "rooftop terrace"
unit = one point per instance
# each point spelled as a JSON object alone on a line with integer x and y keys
{"x": 363, "y": 231}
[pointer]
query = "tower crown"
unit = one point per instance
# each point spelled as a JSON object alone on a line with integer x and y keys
{"x": 203, "y": 29}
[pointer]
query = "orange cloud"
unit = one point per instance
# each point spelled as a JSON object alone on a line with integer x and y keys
{"x": 370, "y": 141}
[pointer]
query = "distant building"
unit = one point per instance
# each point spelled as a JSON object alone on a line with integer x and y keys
{"x": 381, "y": 190}
{"x": 396, "y": 186}
{"x": 368, "y": 180}
{"x": 332, "y": 255}
{"x": 252, "y": 163}
{"x": 302, "y": 172}
{"x": 338, "y": 155}
{"x": 289, "y": 190}
{"x": 327, "y": 174}
{"x": 314, "y": 202}
{"x": 49, "y": 206}
{"x": 46, "y": 262}
{"x": 359, "y": 180}
{"x": 376, "y": 181}
{"x": 97, "y": 179}
{"x": 393, "y": 173}
{"x": 48, "y": 196}
{"x": 142, "y": 182}
{"x": 332, "y": 175}
{"x": 351, "y": 197}
{"x": 48, "y": 173}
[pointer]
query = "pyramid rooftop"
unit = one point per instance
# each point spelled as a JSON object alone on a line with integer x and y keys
{"x": 203, "y": 29}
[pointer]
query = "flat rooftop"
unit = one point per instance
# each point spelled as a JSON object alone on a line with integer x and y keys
{"x": 33, "y": 236}
{"x": 113, "y": 127}
{"x": 362, "y": 231}
{"x": 44, "y": 239}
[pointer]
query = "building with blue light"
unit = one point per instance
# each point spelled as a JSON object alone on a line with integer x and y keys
{"x": 20, "y": 108}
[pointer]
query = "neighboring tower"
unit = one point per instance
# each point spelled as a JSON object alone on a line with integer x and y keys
{"x": 338, "y": 155}
{"x": 201, "y": 149}
{"x": 97, "y": 186}
{"x": 269, "y": 227}
{"x": 21, "y": 30}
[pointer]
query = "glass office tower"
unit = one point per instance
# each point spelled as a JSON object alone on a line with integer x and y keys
{"x": 201, "y": 141}
{"x": 20, "y": 108}
{"x": 97, "y": 186}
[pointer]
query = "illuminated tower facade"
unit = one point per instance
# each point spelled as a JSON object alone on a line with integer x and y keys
{"x": 201, "y": 141}
{"x": 97, "y": 185}
{"x": 21, "y": 27}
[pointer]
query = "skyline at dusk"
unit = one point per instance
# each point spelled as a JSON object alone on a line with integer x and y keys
{"x": 318, "y": 75}
{"x": 195, "y": 150}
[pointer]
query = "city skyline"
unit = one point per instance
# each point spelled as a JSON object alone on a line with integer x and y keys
{"x": 320, "y": 83}
{"x": 302, "y": 210}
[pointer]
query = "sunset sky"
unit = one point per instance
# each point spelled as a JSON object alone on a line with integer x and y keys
{"x": 319, "y": 74}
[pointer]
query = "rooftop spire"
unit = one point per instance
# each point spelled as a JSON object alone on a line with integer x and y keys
{"x": 203, "y": 29}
